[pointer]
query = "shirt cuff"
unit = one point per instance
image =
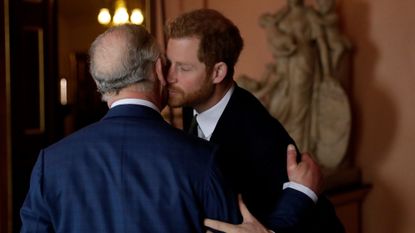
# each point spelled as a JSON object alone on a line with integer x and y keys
{"x": 301, "y": 188}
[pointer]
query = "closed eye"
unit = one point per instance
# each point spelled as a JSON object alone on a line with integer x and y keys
{"x": 184, "y": 68}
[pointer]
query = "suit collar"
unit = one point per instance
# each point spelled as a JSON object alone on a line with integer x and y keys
{"x": 132, "y": 110}
{"x": 208, "y": 119}
{"x": 135, "y": 101}
{"x": 229, "y": 117}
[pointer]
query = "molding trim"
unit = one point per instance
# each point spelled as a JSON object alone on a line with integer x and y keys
{"x": 6, "y": 123}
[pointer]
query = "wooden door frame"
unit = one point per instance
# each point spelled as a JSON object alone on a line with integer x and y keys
{"x": 5, "y": 130}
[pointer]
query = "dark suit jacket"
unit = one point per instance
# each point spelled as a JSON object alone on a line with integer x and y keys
{"x": 254, "y": 162}
{"x": 129, "y": 172}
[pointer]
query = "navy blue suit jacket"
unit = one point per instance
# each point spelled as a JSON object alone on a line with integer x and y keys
{"x": 129, "y": 172}
{"x": 254, "y": 161}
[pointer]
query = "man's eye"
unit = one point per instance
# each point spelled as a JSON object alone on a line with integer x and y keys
{"x": 184, "y": 68}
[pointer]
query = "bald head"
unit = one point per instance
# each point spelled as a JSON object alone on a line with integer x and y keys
{"x": 122, "y": 56}
{"x": 109, "y": 55}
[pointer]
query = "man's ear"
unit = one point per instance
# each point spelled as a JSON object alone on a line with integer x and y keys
{"x": 159, "y": 72}
{"x": 220, "y": 70}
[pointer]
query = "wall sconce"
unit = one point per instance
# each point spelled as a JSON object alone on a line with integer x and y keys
{"x": 121, "y": 15}
{"x": 63, "y": 91}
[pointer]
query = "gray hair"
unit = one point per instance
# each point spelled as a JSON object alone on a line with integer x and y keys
{"x": 121, "y": 56}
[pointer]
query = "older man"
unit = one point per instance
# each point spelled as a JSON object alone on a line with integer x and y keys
{"x": 131, "y": 171}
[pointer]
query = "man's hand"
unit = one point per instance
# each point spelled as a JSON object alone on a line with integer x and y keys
{"x": 307, "y": 172}
{"x": 249, "y": 225}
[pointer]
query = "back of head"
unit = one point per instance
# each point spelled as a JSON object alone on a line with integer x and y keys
{"x": 122, "y": 56}
{"x": 220, "y": 39}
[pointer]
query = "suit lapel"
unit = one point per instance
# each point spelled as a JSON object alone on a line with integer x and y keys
{"x": 227, "y": 119}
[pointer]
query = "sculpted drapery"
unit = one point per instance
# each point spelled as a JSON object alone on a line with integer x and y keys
{"x": 299, "y": 87}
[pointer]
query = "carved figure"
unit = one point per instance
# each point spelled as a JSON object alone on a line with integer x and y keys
{"x": 337, "y": 43}
{"x": 298, "y": 88}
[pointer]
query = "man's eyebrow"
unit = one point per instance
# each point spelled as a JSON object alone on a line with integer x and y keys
{"x": 183, "y": 63}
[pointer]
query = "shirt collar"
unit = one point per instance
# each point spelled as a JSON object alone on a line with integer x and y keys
{"x": 136, "y": 102}
{"x": 208, "y": 119}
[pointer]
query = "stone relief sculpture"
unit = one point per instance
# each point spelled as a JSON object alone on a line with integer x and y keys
{"x": 299, "y": 88}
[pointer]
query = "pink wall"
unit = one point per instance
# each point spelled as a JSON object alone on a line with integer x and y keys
{"x": 383, "y": 34}
{"x": 384, "y": 77}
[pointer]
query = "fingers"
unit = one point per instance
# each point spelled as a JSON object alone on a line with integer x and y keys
{"x": 249, "y": 224}
{"x": 306, "y": 157}
{"x": 314, "y": 171}
{"x": 308, "y": 161}
{"x": 291, "y": 157}
{"x": 246, "y": 215}
{"x": 220, "y": 226}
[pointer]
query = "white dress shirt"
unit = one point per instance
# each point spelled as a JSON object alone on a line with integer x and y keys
{"x": 207, "y": 122}
{"x": 136, "y": 102}
{"x": 208, "y": 119}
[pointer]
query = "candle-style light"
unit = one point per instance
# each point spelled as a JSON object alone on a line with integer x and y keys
{"x": 121, "y": 15}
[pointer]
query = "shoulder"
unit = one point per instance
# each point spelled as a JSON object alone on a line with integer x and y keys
{"x": 245, "y": 118}
{"x": 243, "y": 100}
{"x": 244, "y": 106}
{"x": 187, "y": 147}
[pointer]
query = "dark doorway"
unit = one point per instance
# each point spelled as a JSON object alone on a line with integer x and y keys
{"x": 36, "y": 120}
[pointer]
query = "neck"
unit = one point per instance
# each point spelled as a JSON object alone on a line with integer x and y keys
{"x": 132, "y": 94}
{"x": 219, "y": 92}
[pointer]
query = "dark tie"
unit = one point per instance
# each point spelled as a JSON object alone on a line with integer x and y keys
{"x": 193, "y": 126}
